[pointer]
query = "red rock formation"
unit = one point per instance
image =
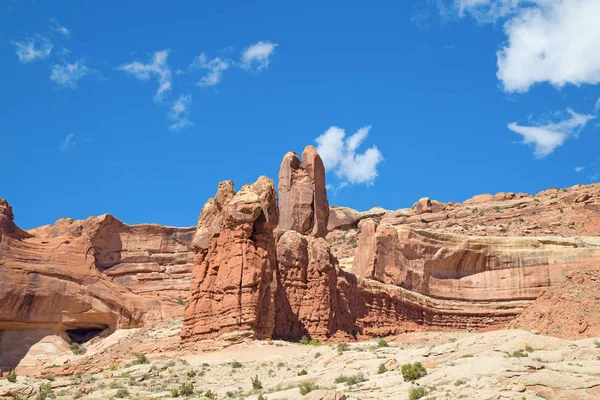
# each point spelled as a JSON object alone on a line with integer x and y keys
{"x": 569, "y": 309}
{"x": 306, "y": 296}
{"x": 232, "y": 288}
{"x": 469, "y": 268}
{"x": 87, "y": 275}
{"x": 422, "y": 206}
{"x": 303, "y": 196}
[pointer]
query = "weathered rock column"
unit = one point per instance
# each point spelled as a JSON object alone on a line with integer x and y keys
{"x": 232, "y": 288}
{"x": 303, "y": 197}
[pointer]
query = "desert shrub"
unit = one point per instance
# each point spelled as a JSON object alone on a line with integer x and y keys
{"x": 304, "y": 340}
{"x": 180, "y": 301}
{"x": 113, "y": 367}
{"x": 122, "y": 393}
{"x": 186, "y": 389}
{"x": 597, "y": 343}
{"x": 307, "y": 387}
{"x": 209, "y": 394}
{"x": 382, "y": 343}
{"x": 174, "y": 393}
{"x": 467, "y": 356}
{"x": 529, "y": 349}
{"x": 236, "y": 364}
{"x": 45, "y": 392}
{"x": 342, "y": 347}
{"x": 256, "y": 383}
{"x": 382, "y": 368}
{"x": 140, "y": 359}
{"x": 314, "y": 342}
{"x": 317, "y": 355}
{"x": 341, "y": 379}
{"x": 261, "y": 397}
{"x": 303, "y": 372}
{"x": 12, "y": 377}
{"x": 460, "y": 382}
{"x": 76, "y": 348}
{"x": 50, "y": 377}
{"x": 412, "y": 372}
{"x": 355, "y": 379}
{"x": 191, "y": 373}
{"x": 416, "y": 392}
{"x": 518, "y": 353}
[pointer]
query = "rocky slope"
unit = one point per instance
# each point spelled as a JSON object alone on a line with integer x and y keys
{"x": 458, "y": 365}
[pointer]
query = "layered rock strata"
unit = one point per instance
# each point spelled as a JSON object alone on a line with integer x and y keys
{"x": 449, "y": 266}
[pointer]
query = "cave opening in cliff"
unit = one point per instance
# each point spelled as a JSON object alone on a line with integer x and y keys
{"x": 83, "y": 335}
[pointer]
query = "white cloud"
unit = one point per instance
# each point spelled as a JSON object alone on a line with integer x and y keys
{"x": 215, "y": 68}
{"x": 257, "y": 56}
{"x": 56, "y": 27}
{"x": 339, "y": 155}
{"x": 579, "y": 169}
{"x": 68, "y": 74}
{"x": 68, "y": 143}
{"x": 158, "y": 68}
{"x": 28, "y": 50}
{"x": 554, "y": 41}
{"x": 597, "y": 106}
{"x": 546, "y": 138}
{"x": 180, "y": 112}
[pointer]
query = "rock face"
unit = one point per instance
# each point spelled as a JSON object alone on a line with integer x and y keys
{"x": 303, "y": 196}
{"x": 460, "y": 267}
{"x": 233, "y": 286}
{"x": 306, "y": 299}
{"x": 86, "y": 276}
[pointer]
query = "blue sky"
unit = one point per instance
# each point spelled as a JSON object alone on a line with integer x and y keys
{"x": 139, "y": 109}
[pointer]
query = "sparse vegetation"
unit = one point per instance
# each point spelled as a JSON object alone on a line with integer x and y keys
{"x": 12, "y": 377}
{"x": 412, "y": 372}
{"x": 236, "y": 364}
{"x": 209, "y": 394}
{"x": 186, "y": 389}
{"x": 342, "y": 347}
{"x": 76, "y": 348}
{"x": 307, "y": 387}
{"x": 256, "y": 383}
{"x": 416, "y": 392}
{"x": 529, "y": 349}
{"x": 140, "y": 359}
{"x": 122, "y": 393}
{"x": 303, "y": 372}
{"x": 382, "y": 343}
{"x": 460, "y": 382}
{"x": 467, "y": 356}
{"x": 382, "y": 369}
{"x": 597, "y": 343}
{"x": 518, "y": 353}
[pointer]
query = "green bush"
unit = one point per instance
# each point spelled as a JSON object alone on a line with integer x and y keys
{"x": 186, "y": 389}
{"x": 518, "y": 353}
{"x": 382, "y": 368}
{"x": 256, "y": 383}
{"x": 356, "y": 379}
{"x": 529, "y": 349}
{"x": 415, "y": 393}
{"x": 50, "y": 377}
{"x": 460, "y": 382}
{"x": 209, "y": 394}
{"x": 307, "y": 387}
{"x": 314, "y": 342}
{"x": 122, "y": 393}
{"x": 304, "y": 340}
{"x": 382, "y": 343}
{"x": 261, "y": 397}
{"x": 140, "y": 359}
{"x": 12, "y": 377}
{"x": 191, "y": 373}
{"x": 174, "y": 393}
{"x": 342, "y": 347}
{"x": 412, "y": 372}
{"x": 236, "y": 364}
{"x": 76, "y": 348}
{"x": 303, "y": 372}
